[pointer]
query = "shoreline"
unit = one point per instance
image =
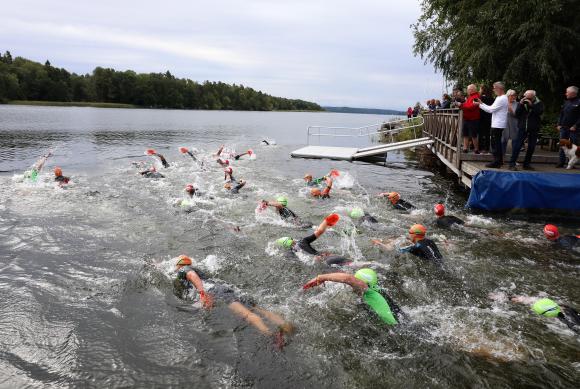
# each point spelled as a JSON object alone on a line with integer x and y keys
{"x": 93, "y": 104}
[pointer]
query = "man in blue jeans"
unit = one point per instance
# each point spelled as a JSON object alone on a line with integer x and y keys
{"x": 529, "y": 114}
{"x": 569, "y": 121}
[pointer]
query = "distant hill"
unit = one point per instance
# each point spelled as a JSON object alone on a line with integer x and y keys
{"x": 373, "y": 111}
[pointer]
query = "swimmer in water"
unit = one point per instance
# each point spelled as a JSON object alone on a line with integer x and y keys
{"x": 151, "y": 173}
{"x": 568, "y": 242}
{"x": 325, "y": 193}
{"x": 35, "y": 170}
{"x": 396, "y": 201}
{"x": 281, "y": 205}
{"x": 191, "y": 283}
{"x": 228, "y": 174}
{"x": 313, "y": 182}
{"x": 304, "y": 244}
{"x": 420, "y": 247}
{"x": 161, "y": 157}
{"x": 234, "y": 189}
{"x": 361, "y": 216}
{"x": 445, "y": 221}
{"x": 547, "y": 308}
{"x": 365, "y": 284}
{"x": 223, "y": 162}
{"x": 58, "y": 177}
{"x": 238, "y": 156}
{"x": 185, "y": 150}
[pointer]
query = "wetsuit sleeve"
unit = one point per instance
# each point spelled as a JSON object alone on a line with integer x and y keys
{"x": 570, "y": 317}
{"x": 379, "y": 305}
{"x": 407, "y": 249}
{"x": 435, "y": 249}
{"x": 304, "y": 244}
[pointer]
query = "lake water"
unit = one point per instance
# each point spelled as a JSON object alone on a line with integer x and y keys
{"x": 86, "y": 295}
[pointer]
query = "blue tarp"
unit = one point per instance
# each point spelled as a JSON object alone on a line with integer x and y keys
{"x": 496, "y": 190}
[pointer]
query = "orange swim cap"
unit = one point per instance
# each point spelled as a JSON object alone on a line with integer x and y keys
{"x": 184, "y": 260}
{"x": 57, "y": 171}
{"x": 418, "y": 230}
{"x": 183, "y": 150}
{"x": 394, "y": 197}
{"x": 315, "y": 192}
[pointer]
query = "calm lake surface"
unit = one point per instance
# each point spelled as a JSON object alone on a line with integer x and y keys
{"x": 86, "y": 294}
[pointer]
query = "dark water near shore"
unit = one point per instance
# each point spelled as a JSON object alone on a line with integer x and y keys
{"x": 86, "y": 298}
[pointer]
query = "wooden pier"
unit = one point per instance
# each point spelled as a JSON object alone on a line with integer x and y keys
{"x": 444, "y": 127}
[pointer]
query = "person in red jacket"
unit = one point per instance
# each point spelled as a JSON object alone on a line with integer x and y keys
{"x": 471, "y": 117}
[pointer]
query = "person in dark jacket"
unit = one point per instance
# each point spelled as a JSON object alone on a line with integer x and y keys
{"x": 569, "y": 121}
{"x": 485, "y": 120}
{"x": 529, "y": 113}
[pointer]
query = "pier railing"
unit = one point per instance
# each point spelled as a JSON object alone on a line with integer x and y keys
{"x": 444, "y": 127}
{"x": 359, "y": 136}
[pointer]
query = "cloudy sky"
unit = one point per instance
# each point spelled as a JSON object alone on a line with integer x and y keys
{"x": 353, "y": 53}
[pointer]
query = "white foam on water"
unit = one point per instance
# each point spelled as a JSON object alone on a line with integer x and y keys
{"x": 344, "y": 181}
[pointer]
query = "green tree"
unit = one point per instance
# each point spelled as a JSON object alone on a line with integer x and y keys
{"x": 533, "y": 43}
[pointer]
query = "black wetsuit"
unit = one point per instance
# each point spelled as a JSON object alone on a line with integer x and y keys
{"x": 150, "y": 174}
{"x": 163, "y": 161}
{"x": 368, "y": 218}
{"x": 184, "y": 289}
{"x": 236, "y": 189}
{"x": 191, "y": 155}
{"x": 426, "y": 249}
{"x": 448, "y": 221}
{"x": 570, "y": 317}
{"x": 403, "y": 205}
{"x": 62, "y": 179}
{"x": 286, "y": 213}
{"x": 336, "y": 260}
{"x": 304, "y": 244}
{"x": 568, "y": 242}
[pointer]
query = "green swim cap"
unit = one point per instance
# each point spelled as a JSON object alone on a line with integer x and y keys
{"x": 546, "y": 307}
{"x": 369, "y": 276}
{"x": 285, "y": 242}
{"x": 282, "y": 200}
{"x": 356, "y": 213}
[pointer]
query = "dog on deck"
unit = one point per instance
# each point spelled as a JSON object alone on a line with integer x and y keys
{"x": 571, "y": 150}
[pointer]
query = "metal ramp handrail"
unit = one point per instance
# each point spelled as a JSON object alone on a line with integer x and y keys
{"x": 365, "y": 131}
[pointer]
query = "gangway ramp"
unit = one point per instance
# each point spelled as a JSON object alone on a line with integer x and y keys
{"x": 353, "y": 154}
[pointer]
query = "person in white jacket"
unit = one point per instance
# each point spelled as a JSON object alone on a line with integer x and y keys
{"x": 499, "y": 113}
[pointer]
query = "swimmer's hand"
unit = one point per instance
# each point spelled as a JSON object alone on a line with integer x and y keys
{"x": 312, "y": 283}
{"x": 206, "y": 299}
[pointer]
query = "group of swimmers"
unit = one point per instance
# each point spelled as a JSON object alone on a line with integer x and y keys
{"x": 192, "y": 283}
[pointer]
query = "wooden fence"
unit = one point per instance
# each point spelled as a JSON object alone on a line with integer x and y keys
{"x": 444, "y": 126}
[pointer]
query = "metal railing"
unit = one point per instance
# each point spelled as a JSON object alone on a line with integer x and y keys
{"x": 356, "y": 134}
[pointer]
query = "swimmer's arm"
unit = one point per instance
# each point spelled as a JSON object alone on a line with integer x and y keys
{"x": 329, "y": 182}
{"x": 220, "y": 150}
{"x": 388, "y": 245}
{"x": 343, "y": 278}
{"x": 206, "y": 299}
{"x": 274, "y": 204}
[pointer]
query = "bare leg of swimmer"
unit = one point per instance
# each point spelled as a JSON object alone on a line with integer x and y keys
{"x": 255, "y": 320}
{"x": 278, "y": 320}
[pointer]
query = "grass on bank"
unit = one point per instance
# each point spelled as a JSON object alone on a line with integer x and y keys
{"x": 70, "y": 104}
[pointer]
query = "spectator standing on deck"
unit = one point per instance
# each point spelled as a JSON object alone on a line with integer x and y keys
{"x": 471, "y": 115}
{"x": 485, "y": 120}
{"x": 511, "y": 130}
{"x": 529, "y": 113}
{"x": 446, "y": 103}
{"x": 409, "y": 113}
{"x": 569, "y": 121}
{"x": 499, "y": 112}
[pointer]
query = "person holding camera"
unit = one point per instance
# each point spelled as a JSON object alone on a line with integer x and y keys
{"x": 529, "y": 113}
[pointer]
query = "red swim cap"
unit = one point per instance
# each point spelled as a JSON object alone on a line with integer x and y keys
{"x": 57, "y": 171}
{"x": 551, "y": 232}
{"x": 250, "y": 152}
{"x": 439, "y": 209}
{"x": 183, "y": 150}
{"x": 228, "y": 170}
{"x": 332, "y": 219}
{"x": 189, "y": 188}
{"x": 334, "y": 173}
{"x": 151, "y": 152}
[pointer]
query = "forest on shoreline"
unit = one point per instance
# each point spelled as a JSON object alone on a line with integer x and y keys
{"x": 24, "y": 80}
